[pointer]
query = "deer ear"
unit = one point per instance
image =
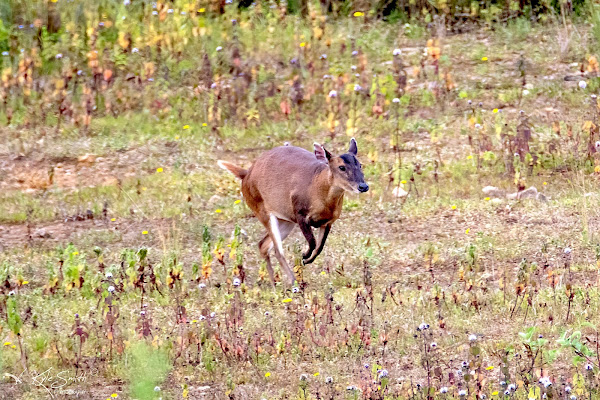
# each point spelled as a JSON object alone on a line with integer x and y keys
{"x": 353, "y": 149}
{"x": 322, "y": 154}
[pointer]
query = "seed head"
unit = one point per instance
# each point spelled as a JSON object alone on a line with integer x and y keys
{"x": 582, "y": 84}
{"x": 397, "y": 52}
{"x": 111, "y": 289}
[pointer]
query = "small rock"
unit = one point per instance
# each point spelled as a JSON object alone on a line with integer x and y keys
{"x": 493, "y": 191}
{"x": 87, "y": 159}
{"x": 530, "y": 193}
{"x": 399, "y": 192}
{"x": 42, "y": 233}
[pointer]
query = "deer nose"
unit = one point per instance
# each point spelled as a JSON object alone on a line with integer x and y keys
{"x": 363, "y": 187}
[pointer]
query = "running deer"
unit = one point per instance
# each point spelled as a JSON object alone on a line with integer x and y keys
{"x": 289, "y": 186}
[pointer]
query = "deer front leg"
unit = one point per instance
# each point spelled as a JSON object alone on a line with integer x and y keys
{"x": 308, "y": 234}
{"x": 323, "y": 233}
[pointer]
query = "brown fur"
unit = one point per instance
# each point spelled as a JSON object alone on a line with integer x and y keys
{"x": 299, "y": 188}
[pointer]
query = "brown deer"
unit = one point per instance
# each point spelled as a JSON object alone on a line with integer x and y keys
{"x": 289, "y": 186}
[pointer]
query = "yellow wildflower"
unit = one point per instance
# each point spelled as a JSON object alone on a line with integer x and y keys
{"x": 186, "y": 127}
{"x": 144, "y": 232}
{"x": 159, "y": 169}
{"x": 359, "y": 14}
{"x": 268, "y": 374}
{"x": 484, "y": 58}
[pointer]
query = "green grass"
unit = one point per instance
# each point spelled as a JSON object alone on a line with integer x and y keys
{"x": 445, "y": 255}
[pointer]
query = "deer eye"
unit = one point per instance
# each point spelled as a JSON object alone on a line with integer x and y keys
{"x": 342, "y": 168}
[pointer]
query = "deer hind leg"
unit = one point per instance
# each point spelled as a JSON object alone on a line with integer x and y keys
{"x": 279, "y": 230}
{"x": 266, "y": 244}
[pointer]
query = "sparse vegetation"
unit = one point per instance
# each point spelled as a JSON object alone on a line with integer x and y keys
{"x": 128, "y": 263}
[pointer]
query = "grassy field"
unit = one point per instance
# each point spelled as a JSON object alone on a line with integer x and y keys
{"x": 129, "y": 265}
